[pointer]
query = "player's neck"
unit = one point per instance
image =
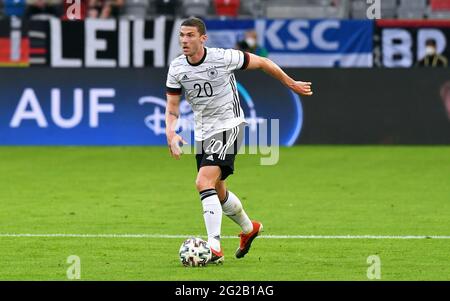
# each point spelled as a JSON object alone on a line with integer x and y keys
{"x": 197, "y": 58}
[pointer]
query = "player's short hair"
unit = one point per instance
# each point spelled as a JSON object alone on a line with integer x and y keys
{"x": 197, "y": 23}
{"x": 430, "y": 42}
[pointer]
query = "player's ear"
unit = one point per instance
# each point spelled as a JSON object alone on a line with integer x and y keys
{"x": 204, "y": 38}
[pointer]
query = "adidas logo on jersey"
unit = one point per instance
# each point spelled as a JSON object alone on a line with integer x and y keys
{"x": 210, "y": 158}
{"x": 185, "y": 77}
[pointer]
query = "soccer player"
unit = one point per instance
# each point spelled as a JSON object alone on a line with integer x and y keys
{"x": 206, "y": 74}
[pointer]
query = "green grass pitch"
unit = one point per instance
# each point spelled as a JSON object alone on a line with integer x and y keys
{"x": 313, "y": 190}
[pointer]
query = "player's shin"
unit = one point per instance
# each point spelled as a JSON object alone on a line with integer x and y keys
{"x": 232, "y": 207}
{"x": 212, "y": 214}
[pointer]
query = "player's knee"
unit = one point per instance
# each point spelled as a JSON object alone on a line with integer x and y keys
{"x": 203, "y": 183}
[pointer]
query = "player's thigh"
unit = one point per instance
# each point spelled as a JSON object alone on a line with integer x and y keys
{"x": 207, "y": 177}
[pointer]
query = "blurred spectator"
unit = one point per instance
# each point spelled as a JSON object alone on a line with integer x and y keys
{"x": 42, "y": 8}
{"x": 104, "y": 9}
{"x": 432, "y": 58}
{"x": 445, "y": 95}
{"x": 250, "y": 44}
{"x": 14, "y": 7}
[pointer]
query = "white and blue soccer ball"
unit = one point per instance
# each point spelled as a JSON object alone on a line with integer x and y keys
{"x": 195, "y": 252}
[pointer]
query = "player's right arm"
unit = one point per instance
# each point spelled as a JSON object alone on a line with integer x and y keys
{"x": 172, "y": 113}
{"x": 173, "y": 94}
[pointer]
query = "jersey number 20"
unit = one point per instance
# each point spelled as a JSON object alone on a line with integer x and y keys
{"x": 207, "y": 89}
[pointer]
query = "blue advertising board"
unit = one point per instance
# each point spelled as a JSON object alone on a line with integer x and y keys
{"x": 302, "y": 43}
{"x": 120, "y": 107}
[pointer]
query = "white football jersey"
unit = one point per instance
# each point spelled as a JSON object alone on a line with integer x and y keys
{"x": 210, "y": 88}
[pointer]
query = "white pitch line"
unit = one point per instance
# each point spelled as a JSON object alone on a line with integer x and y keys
{"x": 405, "y": 237}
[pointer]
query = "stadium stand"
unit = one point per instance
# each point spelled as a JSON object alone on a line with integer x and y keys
{"x": 358, "y": 10}
{"x": 136, "y": 9}
{"x": 412, "y": 9}
{"x": 388, "y": 9}
{"x": 198, "y": 8}
{"x": 252, "y": 8}
{"x": 439, "y": 9}
{"x": 165, "y": 7}
{"x": 307, "y": 9}
{"x": 276, "y": 9}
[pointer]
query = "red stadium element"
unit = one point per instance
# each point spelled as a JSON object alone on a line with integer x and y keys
{"x": 228, "y": 8}
{"x": 38, "y": 51}
{"x": 6, "y": 56}
{"x": 440, "y": 5}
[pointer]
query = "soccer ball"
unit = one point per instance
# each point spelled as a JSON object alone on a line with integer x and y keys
{"x": 195, "y": 252}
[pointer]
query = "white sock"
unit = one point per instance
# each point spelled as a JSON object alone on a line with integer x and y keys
{"x": 232, "y": 207}
{"x": 212, "y": 213}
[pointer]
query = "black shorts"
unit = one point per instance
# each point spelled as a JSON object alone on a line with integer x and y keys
{"x": 220, "y": 150}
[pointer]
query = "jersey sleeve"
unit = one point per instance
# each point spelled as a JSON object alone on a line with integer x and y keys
{"x": 173, "y": 86}
{"x": 235, "y": 59}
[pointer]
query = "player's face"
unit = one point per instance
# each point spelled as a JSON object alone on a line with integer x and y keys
{"x": 191, "y": 40}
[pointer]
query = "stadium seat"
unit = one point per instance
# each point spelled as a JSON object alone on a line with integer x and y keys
{"x": 338, "y": 9}
{"x": 198, "y": 8}
{"x": 227, "y": 8}
{"x": 358, "y": 9}
{"x": 254, "y": 8}
{"x": 440, "y": 5}
{"x": 414, "y": 3}
{"x": 439, "y": 9}
{"x": 308, "y": 9}
{"x": 166, "y": 7}
{"x": 412, "y": 9}
{"x": 136, "y": 8}
{"x": 290, "y": 9}
{"x": 388, "y": 9}
{"x": 14, "y": 7}
{"x": 444, "y": 15}
{"x": 405, "y": 13}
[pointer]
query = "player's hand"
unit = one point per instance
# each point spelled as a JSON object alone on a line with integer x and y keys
{"x": 175, "y": 142}
{"x": 302, "y": 88}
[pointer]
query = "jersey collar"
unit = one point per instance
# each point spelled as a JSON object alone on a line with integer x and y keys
{"x": 199, "y": 62}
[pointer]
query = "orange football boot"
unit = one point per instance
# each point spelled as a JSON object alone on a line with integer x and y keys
{"x": 247, "y": 239}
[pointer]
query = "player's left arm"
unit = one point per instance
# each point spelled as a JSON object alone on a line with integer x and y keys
{"x": 268, "y": 66}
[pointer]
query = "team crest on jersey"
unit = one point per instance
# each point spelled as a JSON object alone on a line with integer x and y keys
{"x": 212, "y": 72}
